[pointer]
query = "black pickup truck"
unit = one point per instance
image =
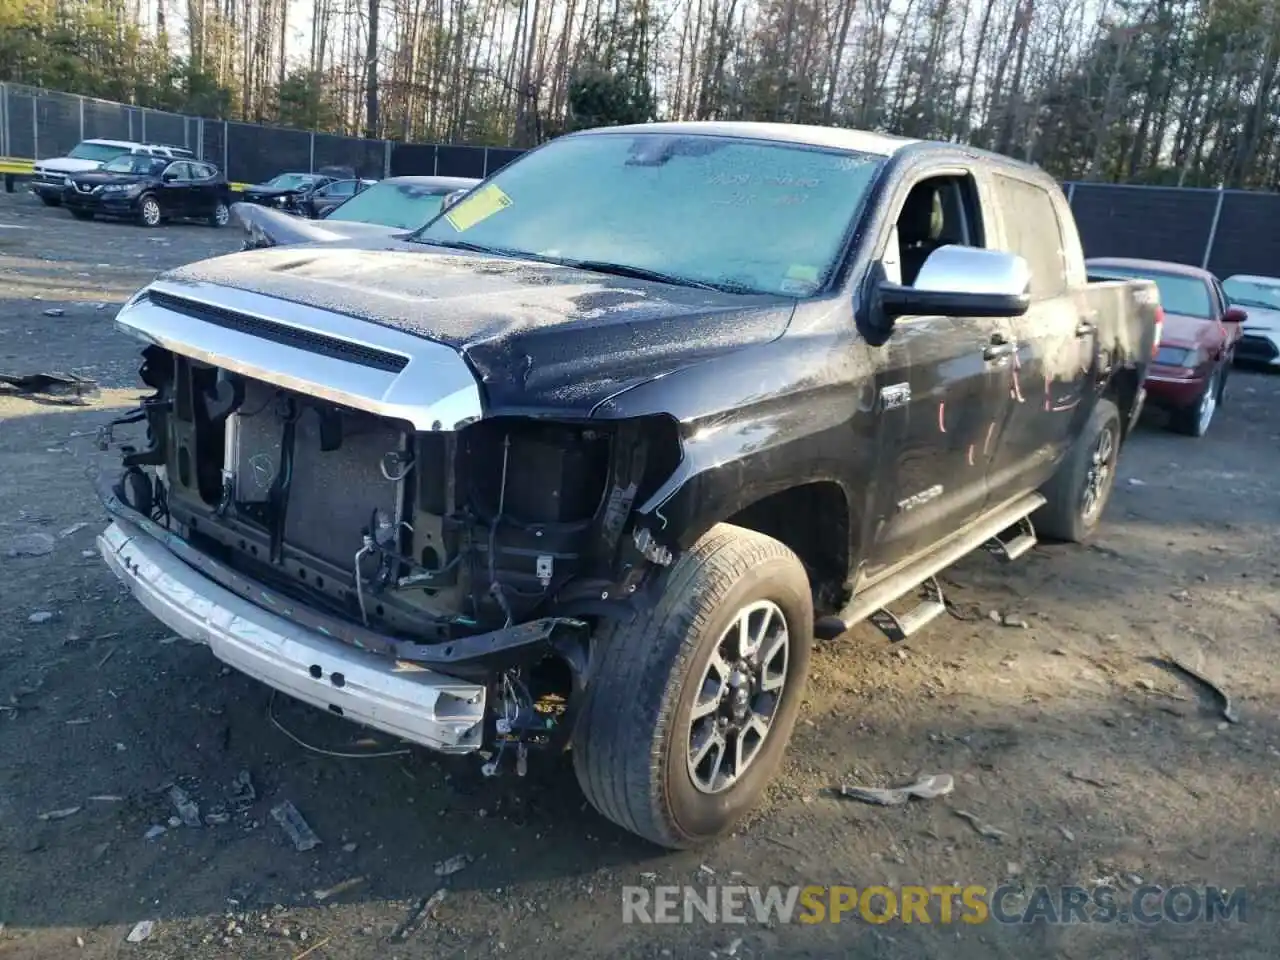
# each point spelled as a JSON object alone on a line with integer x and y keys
{"x": 588, "y": 460}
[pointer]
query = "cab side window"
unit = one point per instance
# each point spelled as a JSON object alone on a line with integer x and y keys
{"x": 1032, "y": 231}
{"x": 179, "y": 172}
{"x": 938, "y": 211}
{"x": 343, "y": 188}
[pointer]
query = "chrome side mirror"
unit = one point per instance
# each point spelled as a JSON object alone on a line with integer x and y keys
{"x": 956, "y": 269}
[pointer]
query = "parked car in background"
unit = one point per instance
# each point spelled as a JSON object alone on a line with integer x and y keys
{"x": 387, "y": 208}
{"x": 1188, "y": 377}
{"x": 1260, "y": 298}
{"x": 150, "y": 190}
{"x": 577, "y": 462}
{"x": 287, "y": 191}
{"x": 322, "y": 200}
{"x": 402, "y": 202}
{"x": 49, "y": 177}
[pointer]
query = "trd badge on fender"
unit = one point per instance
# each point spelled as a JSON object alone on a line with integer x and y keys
{"x": 894, "y": 395}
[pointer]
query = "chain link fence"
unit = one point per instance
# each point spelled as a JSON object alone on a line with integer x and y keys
{"x": 1228, "y": 231}
{"x": 39, "y": 124}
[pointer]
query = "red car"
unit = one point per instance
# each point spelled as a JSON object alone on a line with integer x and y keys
{"x": 1188, "y": 375}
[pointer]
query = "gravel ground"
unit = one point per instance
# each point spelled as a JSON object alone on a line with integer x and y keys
{"x": 1062, "y": 730}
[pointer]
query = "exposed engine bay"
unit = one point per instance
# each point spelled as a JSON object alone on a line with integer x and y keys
{"x": 488, "y": 552}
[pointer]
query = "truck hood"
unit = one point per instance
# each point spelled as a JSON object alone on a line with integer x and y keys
{"x": 66, "y": 165}
{"x": 539, "y": 337}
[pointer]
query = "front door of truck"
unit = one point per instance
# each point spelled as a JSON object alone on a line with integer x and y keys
{"x": 941, "y": 391}
{"x": 1056, "y": 340}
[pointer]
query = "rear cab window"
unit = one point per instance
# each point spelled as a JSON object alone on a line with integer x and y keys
{"x": 1033, "y": 230}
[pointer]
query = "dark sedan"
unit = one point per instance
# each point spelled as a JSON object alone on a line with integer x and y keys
{"x": 150, "y": 190}
{"x": 286, "y": 190}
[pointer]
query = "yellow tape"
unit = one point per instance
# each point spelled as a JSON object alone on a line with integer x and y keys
{"x": 478, "y": 206}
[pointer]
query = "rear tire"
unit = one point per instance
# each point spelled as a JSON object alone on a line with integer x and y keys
{"x": 641, "y": 756}
{"x": 1077, "y": 494}
{"x": 1195, "y": 420}
{"x": 221, "y": 215}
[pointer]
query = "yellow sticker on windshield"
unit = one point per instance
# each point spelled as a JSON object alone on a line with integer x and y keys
{"x": 481, "y": 205}
{"x": 803, "y": 272}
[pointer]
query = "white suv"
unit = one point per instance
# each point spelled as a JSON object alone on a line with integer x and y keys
{"x": 50, "y": 176}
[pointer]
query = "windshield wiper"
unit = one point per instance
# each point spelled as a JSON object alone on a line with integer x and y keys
{"x": 496, "y": 251}
{"x": 597, "y": 266}
{"x": 463, "y": 245}
{"x": 641, "y": 273}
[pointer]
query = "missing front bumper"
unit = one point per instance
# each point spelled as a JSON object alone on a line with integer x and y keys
{"x": 397, "y": 697}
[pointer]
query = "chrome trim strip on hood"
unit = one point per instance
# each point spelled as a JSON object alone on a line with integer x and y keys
{"x": 435, "y": 391}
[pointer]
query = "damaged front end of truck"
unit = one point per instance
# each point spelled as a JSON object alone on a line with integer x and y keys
{"x": 327, "y": 505}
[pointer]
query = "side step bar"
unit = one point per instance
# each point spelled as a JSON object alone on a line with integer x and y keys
{"x": 872, "y": 602}
{"x": 1015, "y": 546}
{"x": 898, "y": 628}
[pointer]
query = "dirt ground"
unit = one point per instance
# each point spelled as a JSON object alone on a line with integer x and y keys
{"x": 1096, "y": 763}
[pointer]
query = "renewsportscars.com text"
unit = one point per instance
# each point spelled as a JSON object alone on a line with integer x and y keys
{"x": 943, "y": 904}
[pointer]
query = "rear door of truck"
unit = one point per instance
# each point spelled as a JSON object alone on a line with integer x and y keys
{"x": 1056, "y": 341}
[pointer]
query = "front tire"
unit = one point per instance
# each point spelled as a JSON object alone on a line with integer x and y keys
{"x": 1077, "y": 494}
{"x": 82, "y": 214}
{"x": 149, "y": 213}
{"x": 691, "y": 703}
{"x": 50, "y": 201}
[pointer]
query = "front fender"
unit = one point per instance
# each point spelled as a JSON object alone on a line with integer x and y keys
{"x": 754, "y": 423}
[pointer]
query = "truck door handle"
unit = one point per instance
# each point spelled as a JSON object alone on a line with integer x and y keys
{"x": 999, "y": 348}
{"x": 1085, "y": 328}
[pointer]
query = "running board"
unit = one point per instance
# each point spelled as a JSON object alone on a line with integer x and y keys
{"x": 1011, "y": 549}
{"x": 901, "y": 582}
{"x": 898, "y": 628}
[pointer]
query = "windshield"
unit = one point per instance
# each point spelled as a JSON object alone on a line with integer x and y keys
{"x": 742, "y": 214}
{"x": 100, "y": 152}
{"x": 291, "y": 181}
{"x": 1188, "y": 296}
{"x": 1261, "y": 292}
{"x": 137, "y": 164}
{"x": 405, "y": 205}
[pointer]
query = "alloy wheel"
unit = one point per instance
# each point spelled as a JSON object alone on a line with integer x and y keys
{"x": 1208, "y": 406}
{"x": 738, "y": 697}
{"x": 1098, "y": 479}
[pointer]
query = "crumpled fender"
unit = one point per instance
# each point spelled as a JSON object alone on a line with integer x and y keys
{"x": 269, "y": 227}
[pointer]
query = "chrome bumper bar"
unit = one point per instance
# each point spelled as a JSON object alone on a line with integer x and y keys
{"x": 403, "y": 699}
